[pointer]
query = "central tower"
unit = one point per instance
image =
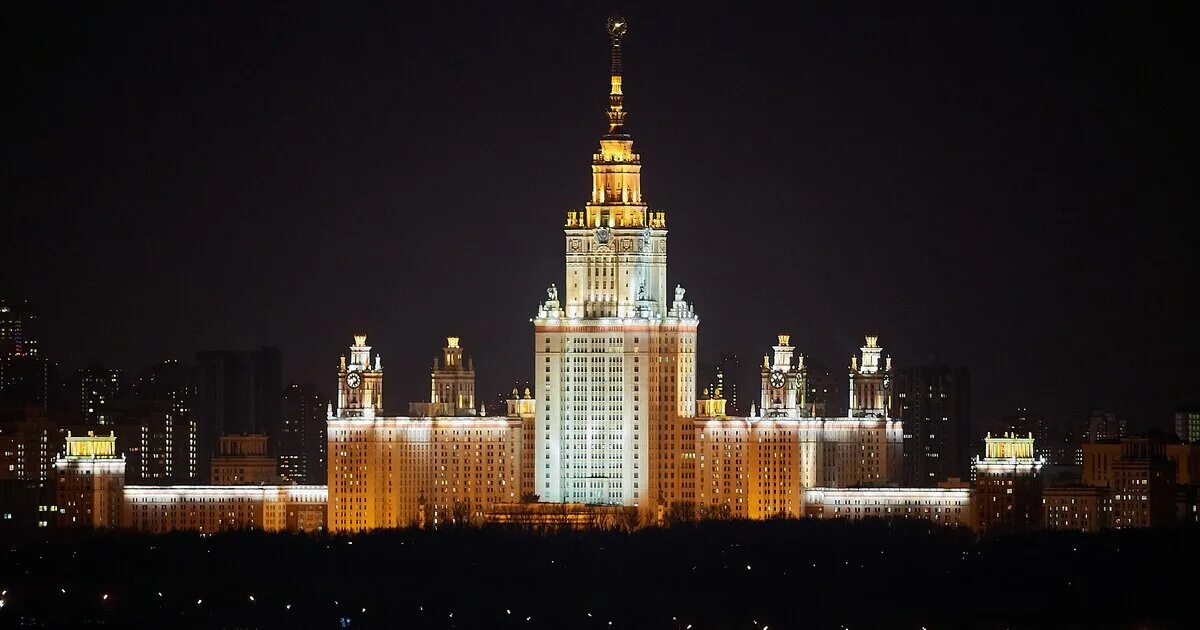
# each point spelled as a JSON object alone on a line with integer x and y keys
{"x": 615, "y": 367}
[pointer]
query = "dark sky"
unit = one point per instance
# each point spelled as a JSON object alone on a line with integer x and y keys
{"x": 1004, "y": 187}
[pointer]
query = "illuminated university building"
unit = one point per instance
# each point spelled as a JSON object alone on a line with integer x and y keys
{"x": 762, "y": 466}
{"x": 613, "y": 415}
{"x": 396, "y": 471}
{"x": 615, "y": 354}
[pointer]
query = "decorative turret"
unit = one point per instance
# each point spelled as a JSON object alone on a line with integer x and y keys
{"x": 870, "y": 382}
{"x": 711, "y": 405}
{"x": 360, "y": 383}
{"x": 783, "y": 384}
{"x": 451, "y": 385}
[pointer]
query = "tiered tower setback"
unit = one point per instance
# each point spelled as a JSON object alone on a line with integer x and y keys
{"x": 615, "y": 369}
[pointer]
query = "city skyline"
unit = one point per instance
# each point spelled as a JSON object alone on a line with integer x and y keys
{"x": 944, "y": 349}
{"x": 1022, "y": 295}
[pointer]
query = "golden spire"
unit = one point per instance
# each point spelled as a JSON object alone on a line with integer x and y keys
{"x": 617, "y": 27}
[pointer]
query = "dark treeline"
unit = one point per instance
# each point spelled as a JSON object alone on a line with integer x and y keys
{"x": 711, "y": 574}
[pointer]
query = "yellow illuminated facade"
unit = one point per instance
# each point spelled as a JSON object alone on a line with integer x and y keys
{"x": 1008, "y": 485}
{"x": 451, "y": 385}
{"x": 760, "y": 467}
{"x": 90, "y": 478}
{"x": 399, "y": 471}
{"x": 210, "y": 509}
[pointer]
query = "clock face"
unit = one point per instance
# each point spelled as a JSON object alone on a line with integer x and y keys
{"x": 777, "y": 379}
{"x": 354, "y": 379}
{"x": 602, "y": 234}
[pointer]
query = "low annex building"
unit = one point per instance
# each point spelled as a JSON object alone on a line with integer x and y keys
{"x": 91, "y": 492}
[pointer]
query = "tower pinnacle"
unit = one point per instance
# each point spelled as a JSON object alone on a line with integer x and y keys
{"x": 617, "y": 27}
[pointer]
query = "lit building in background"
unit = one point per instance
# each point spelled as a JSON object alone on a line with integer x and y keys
{"x": 614, "y": 355}
{"x": 1187, "y": 424}
{"x": 728, "y": 374}
{"x": 451, "y": 385}
{"x": 934, "y": 405}
{"x": 89, "y": 391}
{"x": 826, "y": 390}
{"x": 1008, "y": 485}
{"x": 90, "y": 482}
{"x": 302, "y": 439}
{"x": 1143, "y": 485}
{"x": 26, "y": 377}
{"x": 159, "y": 441}
{"x": 166, "y": 449}
{"x": 1077, "y": 507}
{"x": 243, "y": 460}
{"x": 400, "y": 471}
{"x": 1098, "y": 428}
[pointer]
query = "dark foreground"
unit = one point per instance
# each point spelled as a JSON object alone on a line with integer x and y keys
{"x": 776, "y": 574}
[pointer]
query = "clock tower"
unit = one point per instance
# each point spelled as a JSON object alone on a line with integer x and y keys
{"x": 783, "y": 387}
{"x": 360, "y": 384}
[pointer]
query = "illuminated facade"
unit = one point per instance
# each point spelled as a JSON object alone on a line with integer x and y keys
{"x": 400, "y": 471}
{"x": 783, "y": 384}
{"x": 451, "y": 385}
{"x": 942, "y": 506}
{"x": 209, "y": 509}
{"x": 1008, "y": 485}
{"x": 614, "y": 366}
{"x": 1187, "y": 425}
{"x": 90, "y": 480}
{"x": 1076, "y": 507}
{"x": 760, "y": 467}
{"x": 870, "y": 382}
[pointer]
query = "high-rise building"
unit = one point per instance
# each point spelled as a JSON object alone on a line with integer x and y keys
{"x": 237, "y": 392}
{"x": 727, "y": 377}
{"x": 1026, "y": 422}
{"x": 1008, "y": 485}
{"x": 826, "y": 390}
{"x": 934, "y": 405}
{"x": 451, "y": 384}
{"x": 730, "y": 377}
{"x": 1187, "y": 424}
{"x": 1143, "y": 487}
{"x": 26, "y": 377}
{"x": 89, "y": 391}
{"x": 90, "y": 478}
{"x": 166, "y": 448}
{"x": 1097, "y": 428}
{"x": 301, "y": 444}
{"x": 614, "y": 366}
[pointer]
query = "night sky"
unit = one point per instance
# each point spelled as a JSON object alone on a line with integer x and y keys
{"x": 999, "y": 187}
